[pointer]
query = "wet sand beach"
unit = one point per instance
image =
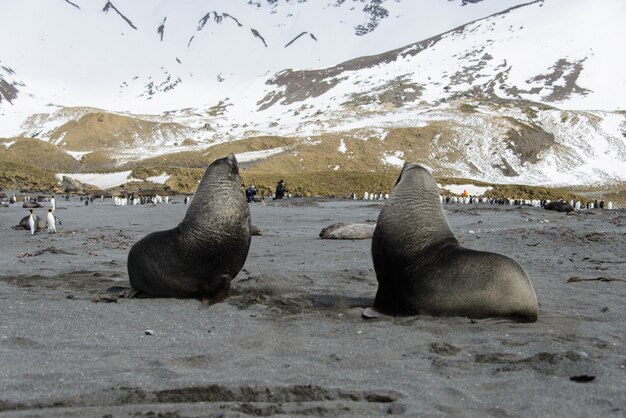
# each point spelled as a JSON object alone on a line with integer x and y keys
{"x": 290, "y": 341}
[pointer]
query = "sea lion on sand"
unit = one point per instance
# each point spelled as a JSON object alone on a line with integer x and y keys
{"x": 559, "y": 206}
{"x": 348, "y": 231}
{"x": 201, "y": 256}
{"x": 422, "y": 269}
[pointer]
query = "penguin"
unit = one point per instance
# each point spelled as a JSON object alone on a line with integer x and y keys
{"x": 366, "y": 196}
{"x": 53, "y": 203}
{"x": 51, "y": 221}
{"x": 32, "y": 222}
{"x": 609, "y": 206}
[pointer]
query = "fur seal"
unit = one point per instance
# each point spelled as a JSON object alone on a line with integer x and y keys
{"x": 41, "y": 223}
{"x": 559, "y": 206}
{"x": 31, "y": 205}
{"x": 348, "y": 231}
{"x": 201, "y": 256}
{"x": 422, "y": 269}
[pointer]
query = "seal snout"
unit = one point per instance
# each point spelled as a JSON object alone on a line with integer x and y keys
{"x": 232, "y": 162}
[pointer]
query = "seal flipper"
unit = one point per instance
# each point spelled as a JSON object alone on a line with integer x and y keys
{"x": 131, "y": 292}
{"x": 216, "y": 291}
{"x": 371, "y": 313}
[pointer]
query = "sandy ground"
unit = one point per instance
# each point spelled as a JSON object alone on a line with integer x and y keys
{"x": 290, "y": 340}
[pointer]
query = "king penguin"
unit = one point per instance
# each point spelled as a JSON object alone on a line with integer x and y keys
{"x": 32, "y": 222}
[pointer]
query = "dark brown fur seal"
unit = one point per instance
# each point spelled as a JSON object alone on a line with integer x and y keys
{"x": 40, "y": 222}
{"x": 201, "y": 256}
{"x": 31, "y": 205}
{"x": 422, "y": 269}
{"x": 559, "y": 206}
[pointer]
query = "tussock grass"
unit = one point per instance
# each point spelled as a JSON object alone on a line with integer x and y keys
{"x": 618, "y": 197}
{"x": 184, "y": 180}
{"x": 328, "y": 183}
{"x": 520, "y": 191}
{"x": 98, "y": 161}
{"x": 19, "y": 176}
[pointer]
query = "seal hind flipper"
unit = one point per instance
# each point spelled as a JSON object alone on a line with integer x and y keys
{"x": 131, "y": 292}
{"x": 371, "y": 313}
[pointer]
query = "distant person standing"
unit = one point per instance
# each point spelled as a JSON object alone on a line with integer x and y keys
{"x": 250, "y": 193}
{"x": 280, "y": 189}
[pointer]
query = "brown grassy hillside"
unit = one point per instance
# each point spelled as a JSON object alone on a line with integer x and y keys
{"x": 204, "y": 157}
{"x": 38, "y": 153}
{"x": 101, "y": 130}
{"x": 18, "y": 176}
{"x": 327, "y": 183}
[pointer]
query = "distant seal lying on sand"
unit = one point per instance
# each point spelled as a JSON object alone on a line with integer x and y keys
{"x": 31, "y": 205}
{"x": 201, "y": 256}
{"x": 558, "y": 206}
{"x": 41, "y": 223}
{"x": 348, "y": 231}
{"x": 422, "y": 269}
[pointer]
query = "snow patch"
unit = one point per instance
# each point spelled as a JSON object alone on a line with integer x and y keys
{"x": 342, "y": 147}
{"x": 159, "y": 179}
{"x": 77, "y": 155}
{"x": 394, "y": 159}
{"x": 471, "y": 189}
{"x": 258, "y": 155}
{"x": 101, "y": 180}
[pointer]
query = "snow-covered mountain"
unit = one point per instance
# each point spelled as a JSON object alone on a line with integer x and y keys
{"x": 544, "y": 80}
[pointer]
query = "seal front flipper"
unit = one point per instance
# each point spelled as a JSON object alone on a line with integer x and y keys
{"x": 217, "y": 290}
